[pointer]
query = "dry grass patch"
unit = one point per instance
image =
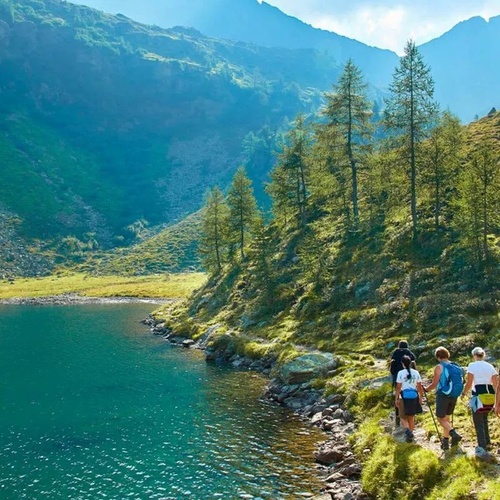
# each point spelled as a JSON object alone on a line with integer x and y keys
{"x": 173, "y": 286}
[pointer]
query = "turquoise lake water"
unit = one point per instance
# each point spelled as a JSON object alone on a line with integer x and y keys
{"x": 93, "y": 406}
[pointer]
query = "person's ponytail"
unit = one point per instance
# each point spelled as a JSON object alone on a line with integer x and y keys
{"x": 406, "y": 360}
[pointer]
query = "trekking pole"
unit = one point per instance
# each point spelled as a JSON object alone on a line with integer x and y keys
{"x": 432, "y": 414}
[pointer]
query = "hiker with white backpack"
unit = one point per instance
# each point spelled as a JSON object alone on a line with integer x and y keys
{"x": 448, "y": 382}
{"x": 482, "y": 378}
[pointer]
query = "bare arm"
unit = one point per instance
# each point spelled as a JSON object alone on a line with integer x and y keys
{"x": 420, "y": 390}
{"x": 435, "y": 379}
{"x": 468, "y": 384}
{"x": 398, "y": 391}
{"x": 496, "y": 384}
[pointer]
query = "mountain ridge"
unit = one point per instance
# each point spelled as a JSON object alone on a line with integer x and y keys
{"x": 263, "y": 25}
{"x": 456, "y": 85}
{"x": 133, "y": 107}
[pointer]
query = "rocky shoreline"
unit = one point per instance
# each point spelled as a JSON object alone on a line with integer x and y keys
{"x": 334, "y": 457}
{"x": 67, "y": 299}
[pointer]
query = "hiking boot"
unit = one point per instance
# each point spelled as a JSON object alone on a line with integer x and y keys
{"x": 409, "y": 436}
{"x": 455, "y": 437}
{"x": 481, "y": 453}
{"x": 445, "y": 444}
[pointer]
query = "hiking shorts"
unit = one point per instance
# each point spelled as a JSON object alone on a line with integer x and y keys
{"x": 445, "y": 405}
{"x": 409, "y": 407}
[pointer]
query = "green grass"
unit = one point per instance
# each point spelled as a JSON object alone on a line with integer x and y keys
{"x": 171, "y": 250}
{"x": 175, "y": 286}
{"x": 393, "y": 470}
{"x": 55, "y": 178}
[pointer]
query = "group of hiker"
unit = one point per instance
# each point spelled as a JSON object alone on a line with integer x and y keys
{"x": 481, "y": 381}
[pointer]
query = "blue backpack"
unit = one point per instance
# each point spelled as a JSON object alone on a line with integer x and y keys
{"x": 451, "y": 382}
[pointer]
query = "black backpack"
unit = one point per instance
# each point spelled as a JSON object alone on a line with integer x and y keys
{"x": 397, "y": 356}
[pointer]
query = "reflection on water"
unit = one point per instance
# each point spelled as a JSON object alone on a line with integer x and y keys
{"x": 93, "y": 406}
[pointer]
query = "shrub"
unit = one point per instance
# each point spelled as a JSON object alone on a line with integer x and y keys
{"x": 370, "y": 399}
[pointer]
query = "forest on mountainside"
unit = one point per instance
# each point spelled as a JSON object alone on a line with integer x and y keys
{"x": 113, "y": 131}
{"x": 372, "y": 239}
{"x": 368, "y": 237}
{"x": 107, "y": 122}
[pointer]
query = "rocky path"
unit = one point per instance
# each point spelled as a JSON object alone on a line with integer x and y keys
{"x": 466, "y": 447}
{"x": 335, "y": 459}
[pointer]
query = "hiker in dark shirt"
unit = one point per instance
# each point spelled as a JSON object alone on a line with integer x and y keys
{"x": 397, "y": 365}
{"x": 397, "y": 358}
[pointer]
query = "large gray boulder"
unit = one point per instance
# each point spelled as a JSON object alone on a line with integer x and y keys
{"x": 306, "y": 367}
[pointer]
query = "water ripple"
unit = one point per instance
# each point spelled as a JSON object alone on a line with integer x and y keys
{"x": 98, "y": 408}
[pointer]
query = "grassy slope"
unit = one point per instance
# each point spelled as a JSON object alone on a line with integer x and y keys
{"x": 104, "y": 117}
{"x": 171, "y": 250}
{"x": 365, "y": 294}
{"x": 174, "y": 286}
{"x": 45, "y": 176}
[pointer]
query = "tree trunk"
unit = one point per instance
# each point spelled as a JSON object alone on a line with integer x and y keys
{"x": 413, "y": 172}
{"x": 485, "y": 214}
{"x": 352, "y": 161}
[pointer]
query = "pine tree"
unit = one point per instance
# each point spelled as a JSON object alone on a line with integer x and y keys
{"x": 479, "y": 198}
{"x": 443, "y": 152}
{"x": 261, "y": 253}
{"x": 289, "y": 179}
{"x": 242, "y": 209}
{"x": 409, "y": 114}
{"x": 349, "y": 110}
{"x": 329, "y": 183}
{"x": 213, "y": 241}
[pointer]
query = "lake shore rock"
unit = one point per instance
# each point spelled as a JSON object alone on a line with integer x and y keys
{"x": 291, "y": 387}
{"x": 67, "y": 299}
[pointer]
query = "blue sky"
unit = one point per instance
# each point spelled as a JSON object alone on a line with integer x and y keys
{"x": 387, "y": 23}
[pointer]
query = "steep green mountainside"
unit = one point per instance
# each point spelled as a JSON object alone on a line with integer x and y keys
{"x": 359, "y": 292}
{"x": 255, "y": 22}
{"x": 17, "y": 257}
{"x": 464, "y": 60}
{"x": 311, "y": 279}
{"x": 173, "y": 249}
{"x": 105, "y": 121}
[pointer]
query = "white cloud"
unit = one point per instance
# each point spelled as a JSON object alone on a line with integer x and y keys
{"x": 388, "y": 23}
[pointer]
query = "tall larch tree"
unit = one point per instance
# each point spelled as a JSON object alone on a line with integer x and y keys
{"x": 443, "y": 152}
{"x": 289, "y": 179}
{"x": 479, "y": 198}
{"x": 329, "y": 182}
{"x": 243, "y": 211}
{"x": 409, "y": 115}
{"x": 213, "y": 241}
{"x": 349, "y": 110}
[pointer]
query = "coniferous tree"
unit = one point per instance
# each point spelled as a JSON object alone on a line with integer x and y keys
{"x": 262, "y": 252}
{"x": 349, "y": 110}
{"x": 443, "y": 152}
{"x": 289, "y": 179}
{"x": 479, "y": 198}
{"x": 213, "y": 241}
{"x": 259, "y": 157}
{"x": 409, "y": 114}
{"x": 242, "y": 210}
{"x": 328, "y": 177}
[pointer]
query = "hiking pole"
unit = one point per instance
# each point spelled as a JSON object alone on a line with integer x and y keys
{"x": 432, "y": 414}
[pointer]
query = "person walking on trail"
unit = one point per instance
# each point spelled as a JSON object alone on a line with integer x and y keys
{"x": 449, "y": 386}
{"x": 482, "y": 378}
{"x": 395, "y": 367}
{"x": 409, "y": 394}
